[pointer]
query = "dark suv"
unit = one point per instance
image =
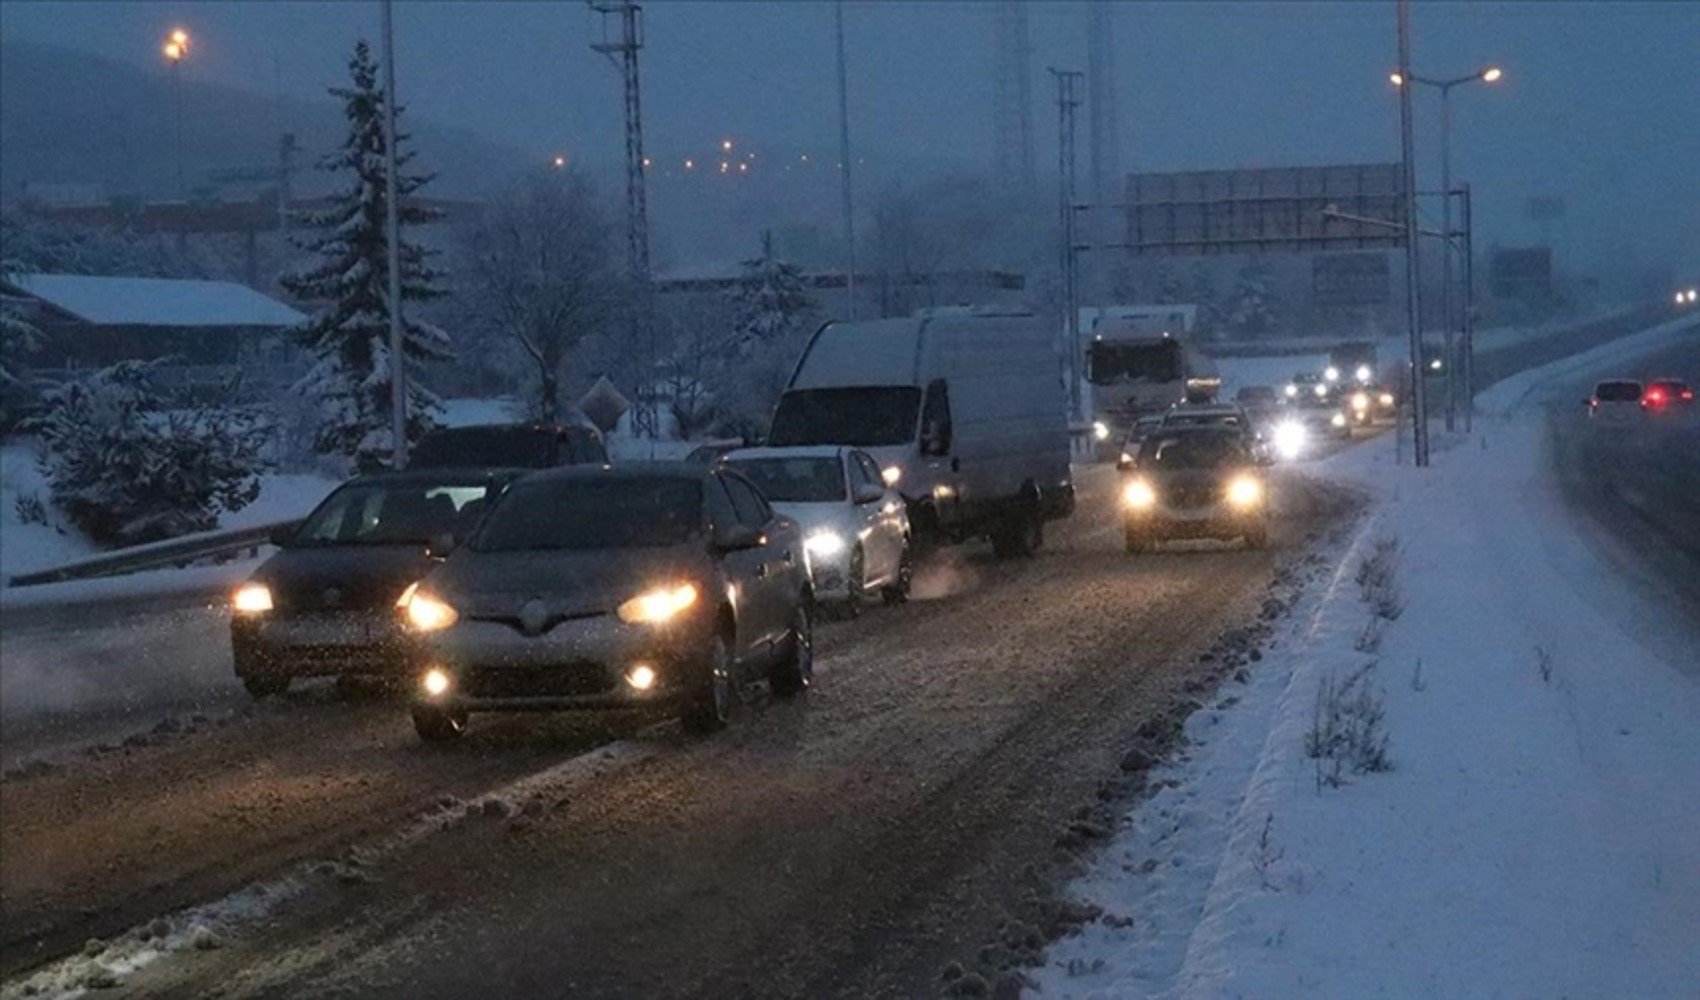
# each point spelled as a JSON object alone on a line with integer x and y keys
{"x": 509, "y": 446}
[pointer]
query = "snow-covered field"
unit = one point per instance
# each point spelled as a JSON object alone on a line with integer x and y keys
{"x": 1536, "y": 833}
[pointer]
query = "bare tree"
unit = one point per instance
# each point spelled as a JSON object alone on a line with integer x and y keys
{"x": 540, "y": 261}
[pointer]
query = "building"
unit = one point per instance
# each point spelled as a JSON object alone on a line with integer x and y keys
{"x": 210, "y": 330}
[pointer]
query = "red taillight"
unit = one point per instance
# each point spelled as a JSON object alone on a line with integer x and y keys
{"x": 1656, "y": 396}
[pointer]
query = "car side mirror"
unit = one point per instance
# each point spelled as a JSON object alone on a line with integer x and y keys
{"x": 736, "y": 538}
{"x": 282, "y": 536}
{"x": 867, "y": 493}
{"x": 441, "y": 545}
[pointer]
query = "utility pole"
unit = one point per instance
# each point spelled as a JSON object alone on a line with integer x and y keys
{"x": 392, "y": 236}
{"x": 1408, "y": 175}
{"x": 1012, "y": 100}
{"x": 1068, "y": 99}
{"x": 1104, "y": 159}
{"x": 624, "y": 54}
{"x": 844, "y": 170}
{"x": 1469, "y": 312}
{"x": 1446, "y": 256}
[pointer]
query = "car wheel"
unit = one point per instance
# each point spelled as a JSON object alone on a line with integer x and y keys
{"x": 709, "y": 707}
{"x": 792, "y": 675}
{"x": 260, "y": 686}
{"x": 897, "y": 592}
{"x": 1020, "y": 537}
{"x": 438, "y": 725}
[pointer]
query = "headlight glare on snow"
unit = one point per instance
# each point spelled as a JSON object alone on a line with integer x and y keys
{"x": 655, "y": 607}
{"x": 1139, "y": 495}
{"x": 252, "y": 599}
{"x": 1245, "y": 491}
{"x": 424, "y": 612}
{"x": 824, "y": 544}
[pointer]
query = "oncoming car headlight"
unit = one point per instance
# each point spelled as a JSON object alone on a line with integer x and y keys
{"x": 663, "y": 604}
{"x": 424, "y": 612}
{"x": 824, "y": 544}
{"x": 1245, "y": 491}
{"x": 1139, "y": 495}
{"x": 1290, "y": 439}
{"x": 1100, "y": 430}
{"x": 1386, "y": 399}
{"x": 1290, "y": 391}
{"x": 251, "y": 599}
{"x": 1364, "y": 373}
{"x": 1338, "y": 420}
{"x": 1360, "y": 401}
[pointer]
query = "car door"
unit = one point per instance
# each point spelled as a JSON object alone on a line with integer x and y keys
{"x": 874, "y": 522}
{"x": 768, "y": 604}
{"x": 741, "y": 568}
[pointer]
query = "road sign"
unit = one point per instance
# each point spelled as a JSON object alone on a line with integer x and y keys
{"x": 1280, "y": 209}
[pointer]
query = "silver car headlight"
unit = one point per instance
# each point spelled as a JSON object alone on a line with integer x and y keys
{"x": 825, "y": 544}
{"x": 658, "y": 606}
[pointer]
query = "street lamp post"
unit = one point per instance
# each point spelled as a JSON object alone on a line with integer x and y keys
{"x": 1491, "y": 74}
{"x": 176, "y": 49}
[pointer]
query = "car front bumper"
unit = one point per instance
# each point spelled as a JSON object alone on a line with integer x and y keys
{"x": 579, "y": 663}
{"x": 317, "y": 645}
{"x": 1213, "y": 521}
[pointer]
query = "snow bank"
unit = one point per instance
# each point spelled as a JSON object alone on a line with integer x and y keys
{"x": 26, "y": 547}
{"x": 1536, "y": 835}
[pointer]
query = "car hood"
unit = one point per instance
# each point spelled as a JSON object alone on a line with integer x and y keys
{"x": 812, "y": 517}
{"x": 342, "y": 577}
{"x": 569, "y": 583}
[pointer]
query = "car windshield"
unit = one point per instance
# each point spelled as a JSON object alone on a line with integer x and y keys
{"x": 622, "y": 512}
{"x": 1191, "y": 451}
{"x": 1202, "y": 420}
{"x": 794, "y": 480}
{"x": 406, "y": 513}
{"x": 1159, "y": 361}
{"x": 1618, "y": 392}
{"x": 864, "y": 417}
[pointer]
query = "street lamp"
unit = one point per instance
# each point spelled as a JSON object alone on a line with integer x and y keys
{"x": 176, "y": 49}
{"x": 1490, "y": 74}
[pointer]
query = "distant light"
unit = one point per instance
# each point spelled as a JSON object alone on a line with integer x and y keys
{"x": 690, "y": 164}
{"x": 559, "y": 162}
{"x": 1492, "y": 74}
{"x": 726, "y": 145}
{"x": 176, "y": 45}
{"x": 805, "y": 157}
{"x": 743, "y": 168}
{"x": 1320, "y": 390}
{"x": 1398, "y": 81}
{"x": 1434, "y": 365}
{"x": 724, "y": 166}
{"x": 181, "y": 37}
{"x": 1100, "y": 430}
{"x": 646, "y": 163}
{"x": 1331, "y": 373}
{"x": 1363, "y": 373}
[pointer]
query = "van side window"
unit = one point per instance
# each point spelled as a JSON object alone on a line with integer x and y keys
{"x": 935, "y": 419}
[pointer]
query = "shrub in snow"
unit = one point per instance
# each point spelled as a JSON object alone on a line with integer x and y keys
{"x": 1348, "y": 728}
{"x": 125, "y": 467}
{"x": 1377, "y": 579}
{"x": 348, "y": 339}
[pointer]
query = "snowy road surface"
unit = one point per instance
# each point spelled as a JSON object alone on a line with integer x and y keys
{"x": 854, "y": 843}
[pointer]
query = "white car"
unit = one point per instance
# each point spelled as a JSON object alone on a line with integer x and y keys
{"x": 855, "y": 527}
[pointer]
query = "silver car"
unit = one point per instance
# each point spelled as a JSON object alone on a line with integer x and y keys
{"x": 855, "y": 528}
{"x": 602, "y": 588}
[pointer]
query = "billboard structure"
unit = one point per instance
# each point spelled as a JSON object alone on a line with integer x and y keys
{"x": 1276, "y": 209}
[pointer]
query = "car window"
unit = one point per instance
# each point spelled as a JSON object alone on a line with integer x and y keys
{"x": 1618, "y": 392}
{"x": 794, "y": 479}
{"x": 752, "y": 510}
{"x": 594, "y": 513}
{"x": 393, "y": 513}
{"x": 1192, "y": 451}
{"x": 721, "y": 513}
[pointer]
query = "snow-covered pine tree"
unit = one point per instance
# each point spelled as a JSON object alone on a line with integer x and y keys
{"x": 348, "y": 338}
{"x": 771, "y": 316}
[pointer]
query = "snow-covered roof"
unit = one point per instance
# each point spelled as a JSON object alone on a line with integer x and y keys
{"x": 156, "y": 301}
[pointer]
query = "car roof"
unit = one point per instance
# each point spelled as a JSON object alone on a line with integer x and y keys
{"x": 625, "y": 470}
{"x": 450, "y": 475}
{"x": 1619, "y": 381}
{"x": 799, "y": 451}
{"x": 514, "y": 427}
{"x": 1205, "y": 409}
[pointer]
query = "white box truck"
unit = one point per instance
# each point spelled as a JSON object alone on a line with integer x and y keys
{"x": 964, "y": 409}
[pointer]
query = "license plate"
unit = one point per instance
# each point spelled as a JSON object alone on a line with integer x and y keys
{"x": 349, "y": 631}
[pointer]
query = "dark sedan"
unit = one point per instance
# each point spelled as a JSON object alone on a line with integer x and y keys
{"x": 614, "y": 587}
{"x": 325, "y": 604}
{"x": 1199, "y": 482}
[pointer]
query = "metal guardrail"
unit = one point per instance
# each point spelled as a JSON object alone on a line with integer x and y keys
{"x": 153, "y": 555}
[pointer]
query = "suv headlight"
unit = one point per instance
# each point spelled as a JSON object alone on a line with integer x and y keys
{"x": 1245, "y": 491}
{"x": 1139, "y": 495}
{"x": 251, "y": 599}
{"x": 654, "y": 607}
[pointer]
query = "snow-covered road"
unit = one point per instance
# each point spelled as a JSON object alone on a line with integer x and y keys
{"x": 1535, "y": 833}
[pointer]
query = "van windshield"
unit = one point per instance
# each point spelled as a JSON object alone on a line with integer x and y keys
{"x": 1156, "y": 361}
{"x": 863, "y": 417}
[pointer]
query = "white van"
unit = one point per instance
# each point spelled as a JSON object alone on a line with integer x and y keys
{"x": 964, "y": 410}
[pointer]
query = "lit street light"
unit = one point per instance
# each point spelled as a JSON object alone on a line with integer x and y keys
{"x": 176, "y": 49}
{"x": 559, "y": 162}
{"x": 1490, "y": 74}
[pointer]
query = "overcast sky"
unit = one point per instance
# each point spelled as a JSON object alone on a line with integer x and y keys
{"x": 1598, "y": 104}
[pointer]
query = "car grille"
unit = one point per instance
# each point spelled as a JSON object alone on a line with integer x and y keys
{"x": 1191, "y": 496}
{"x": 566, "y": 681}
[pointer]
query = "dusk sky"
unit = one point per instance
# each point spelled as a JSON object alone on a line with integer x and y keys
{"x": 1597, "y": 105}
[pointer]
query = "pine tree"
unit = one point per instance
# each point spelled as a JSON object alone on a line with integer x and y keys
{"x": 769, "y": 298}
{"x": 348, "y": 338}
{"x": 1250, "y": 309}
{"x": 771, "y": 313}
